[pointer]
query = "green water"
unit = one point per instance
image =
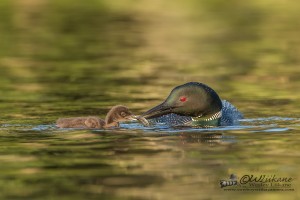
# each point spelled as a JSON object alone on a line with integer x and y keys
{"x": 64, "y": 58}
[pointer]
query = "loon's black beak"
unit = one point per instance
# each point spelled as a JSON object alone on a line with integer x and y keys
{"x": 157, "y": 111}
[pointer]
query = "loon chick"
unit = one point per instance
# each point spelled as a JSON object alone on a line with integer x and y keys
{"x": 114, "y": 116}
{"x": 194, "y": 104}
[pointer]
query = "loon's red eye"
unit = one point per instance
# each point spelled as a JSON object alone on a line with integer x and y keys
{"x": 183, "y": 99}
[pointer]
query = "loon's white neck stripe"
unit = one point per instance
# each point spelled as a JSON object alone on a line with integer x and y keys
{"x": 213, "y": 117}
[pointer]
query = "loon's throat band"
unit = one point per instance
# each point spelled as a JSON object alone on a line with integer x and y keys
{"x": 211, "y": 121}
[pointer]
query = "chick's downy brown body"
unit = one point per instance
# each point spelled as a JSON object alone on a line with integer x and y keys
{"x": 114, "y": 116}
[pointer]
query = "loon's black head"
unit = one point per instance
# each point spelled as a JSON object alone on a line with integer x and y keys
{"x": 190, "y": 99}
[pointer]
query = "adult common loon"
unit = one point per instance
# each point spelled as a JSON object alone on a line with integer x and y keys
{"x": 194, "y": 104}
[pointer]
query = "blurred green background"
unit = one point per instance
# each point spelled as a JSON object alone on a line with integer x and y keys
{"x": 50, "y": 50}
{"x": 71, "y": 57}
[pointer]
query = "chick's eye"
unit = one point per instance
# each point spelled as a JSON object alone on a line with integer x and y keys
{"x": 123, "y": 114}
{"x": 183, "y": 99}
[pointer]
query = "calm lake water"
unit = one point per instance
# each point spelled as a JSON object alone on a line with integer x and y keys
{"x": 66, "y": 58}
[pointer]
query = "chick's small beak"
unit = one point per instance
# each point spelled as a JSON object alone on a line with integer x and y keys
{"x": 131, "y": 117}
